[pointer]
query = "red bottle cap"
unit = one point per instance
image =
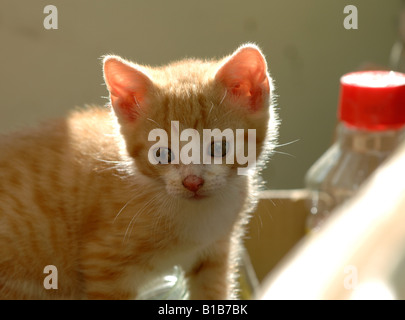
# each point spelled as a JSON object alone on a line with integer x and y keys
{"x": 373, "y": 100}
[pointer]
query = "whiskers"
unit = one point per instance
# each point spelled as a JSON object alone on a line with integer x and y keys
{"x": 149, "y": 210}
{"x": 123, "y": 168}
{"x": 169, "y": 205}
{"x": 123, "y": 208}
{"x": 138, "y": 213}
{"x": 283, "y": 145}
{"x": 153, "y": 121}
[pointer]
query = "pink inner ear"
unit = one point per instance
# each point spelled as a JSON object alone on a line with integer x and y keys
{"x": 245, "y": 77}
{"x": 127, "y": 85}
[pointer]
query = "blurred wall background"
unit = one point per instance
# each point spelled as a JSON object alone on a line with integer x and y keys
{"x": 45, "y": 73}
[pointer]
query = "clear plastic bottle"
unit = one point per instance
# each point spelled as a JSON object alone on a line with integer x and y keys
{"x": 371, "y": 125}
{"x": 397, "y": 56}
{"x": 170, "y": 286}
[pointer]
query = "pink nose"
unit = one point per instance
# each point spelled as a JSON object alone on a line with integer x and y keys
{"x": 193, "y": 183}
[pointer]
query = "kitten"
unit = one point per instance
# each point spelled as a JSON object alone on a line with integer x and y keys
{"x": 80, "y": 193}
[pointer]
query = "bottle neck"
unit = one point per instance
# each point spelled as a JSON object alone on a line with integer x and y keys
{"x": 362, "y": 141}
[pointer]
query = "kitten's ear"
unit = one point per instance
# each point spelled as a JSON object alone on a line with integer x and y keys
{"x": 244, "y": 75}
{"x": 128, "y": 86}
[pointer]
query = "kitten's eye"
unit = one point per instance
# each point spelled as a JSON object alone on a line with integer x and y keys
{"x": 219, "y": 148}
{"x": 164, "y": 155}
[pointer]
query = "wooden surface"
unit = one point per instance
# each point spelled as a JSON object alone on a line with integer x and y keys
{"x": 359, "y": 253}
{"x": 276, "y": 226}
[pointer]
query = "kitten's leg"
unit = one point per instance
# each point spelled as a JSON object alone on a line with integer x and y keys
{"x": 106, "y": 284}
{"x": 106, "y": 277}
{"x": 214, "y": 275}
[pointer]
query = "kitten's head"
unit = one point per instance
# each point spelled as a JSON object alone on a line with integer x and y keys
{"x": 164, "y": 114}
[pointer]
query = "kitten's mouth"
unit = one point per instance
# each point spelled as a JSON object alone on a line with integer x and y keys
{"x": 195, "y": 196}
{"x": 198, "y": 196}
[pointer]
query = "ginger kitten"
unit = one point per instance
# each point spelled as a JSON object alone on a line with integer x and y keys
{"x": 83, "y": 195}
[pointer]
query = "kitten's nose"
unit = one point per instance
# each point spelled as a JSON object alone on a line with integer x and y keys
{"x": 193, "y": 183}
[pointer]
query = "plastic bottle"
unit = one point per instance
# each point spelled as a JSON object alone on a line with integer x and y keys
{"x": 173, "y": 284}
{"x": 170, "y": 286}
{"x": 371, "y": 117}
{"x": 397, "y": 56}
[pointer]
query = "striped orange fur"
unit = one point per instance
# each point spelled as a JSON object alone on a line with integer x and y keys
{"x": 79, "y": 193}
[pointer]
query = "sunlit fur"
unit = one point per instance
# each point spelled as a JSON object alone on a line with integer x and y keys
{"x": 79, "y": 193}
